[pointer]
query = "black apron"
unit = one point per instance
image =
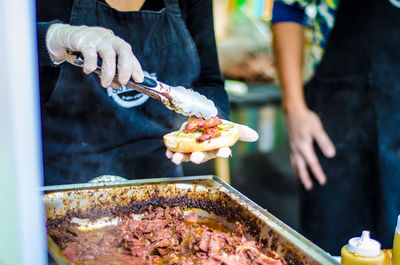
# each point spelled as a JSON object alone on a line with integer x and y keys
{"x": 90, "y": 131}
{"x": 356, "y": 93}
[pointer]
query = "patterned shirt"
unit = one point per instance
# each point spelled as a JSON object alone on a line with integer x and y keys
{"x": 322, "y": 23}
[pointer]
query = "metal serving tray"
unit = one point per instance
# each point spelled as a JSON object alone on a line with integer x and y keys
{"x": 101, "y": 203}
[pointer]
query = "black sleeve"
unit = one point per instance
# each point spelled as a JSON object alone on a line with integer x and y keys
{"x": 48, "y": 72}
{"x": 49, "y": 12}
{"x": 199, "y": 20}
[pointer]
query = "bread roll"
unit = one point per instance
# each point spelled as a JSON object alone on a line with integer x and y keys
{"x": 183, "y": 142}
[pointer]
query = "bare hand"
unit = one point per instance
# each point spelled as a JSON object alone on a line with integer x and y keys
{"x": 305, "y": 127}
{"x": 246, "y": 134}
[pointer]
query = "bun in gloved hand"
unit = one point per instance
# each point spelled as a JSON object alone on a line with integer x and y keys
{"x": 199, "y": 135}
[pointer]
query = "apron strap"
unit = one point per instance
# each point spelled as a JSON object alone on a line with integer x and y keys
{"x": 172, "y": 6}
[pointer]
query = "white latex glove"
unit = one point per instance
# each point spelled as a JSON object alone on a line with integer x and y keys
{"x": 246, "y": 134}
{"x": 305, "y": 127}
{"x": 93, "y": 41}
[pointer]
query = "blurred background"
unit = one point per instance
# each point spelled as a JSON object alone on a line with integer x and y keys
{"x": 260, "y": 170}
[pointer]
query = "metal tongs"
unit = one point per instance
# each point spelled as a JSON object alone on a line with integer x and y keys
{"x": 183, "y": 101}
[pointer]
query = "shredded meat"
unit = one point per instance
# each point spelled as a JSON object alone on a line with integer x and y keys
{"x": 208, "y": 134}
{"x": 192, "y": 217}
{"x": 208, "y": 127}
{"x": 194, "y": 124}
{"x": 163, "y": 236}
{"x": 212, "y": 122}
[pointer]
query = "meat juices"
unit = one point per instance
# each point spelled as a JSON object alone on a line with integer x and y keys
{"x": 162, "y": 236}
{"x": 208, "y": 127}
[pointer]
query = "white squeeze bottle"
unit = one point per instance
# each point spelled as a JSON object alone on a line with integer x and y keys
{"x": 396, "y": 244}
{"x": 362, "y": 251}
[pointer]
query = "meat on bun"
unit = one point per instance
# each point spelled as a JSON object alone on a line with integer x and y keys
{"x": 198, "y": 134}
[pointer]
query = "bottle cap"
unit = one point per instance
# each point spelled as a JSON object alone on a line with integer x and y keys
{"x": 364, "y": 245}
{"x": 398, "y": 224}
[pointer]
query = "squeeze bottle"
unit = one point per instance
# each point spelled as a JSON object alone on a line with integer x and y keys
{"x": 396, "y": 244}
{"x": 362, "y": 251}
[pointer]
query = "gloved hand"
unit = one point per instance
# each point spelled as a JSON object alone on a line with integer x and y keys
{"x": 246, "y": 134}
{"x": 93, "y": 41}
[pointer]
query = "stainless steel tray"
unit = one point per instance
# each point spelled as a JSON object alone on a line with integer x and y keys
{"x": 209, "y": 194}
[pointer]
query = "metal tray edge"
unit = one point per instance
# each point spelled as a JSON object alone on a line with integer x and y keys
{"x": 134, "y": 182}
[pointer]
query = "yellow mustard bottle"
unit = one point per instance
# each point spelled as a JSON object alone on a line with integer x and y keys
{"x": 362, "y": 251}
{"x": 396, "y": 244}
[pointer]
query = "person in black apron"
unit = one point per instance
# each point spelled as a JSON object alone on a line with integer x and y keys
{"x": 356, "y": 93}
{"x": 89, "y": 130}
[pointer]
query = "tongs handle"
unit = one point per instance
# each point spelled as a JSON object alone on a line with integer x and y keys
{"x": 79, "y": 59}
{"x": 179, "y": 99}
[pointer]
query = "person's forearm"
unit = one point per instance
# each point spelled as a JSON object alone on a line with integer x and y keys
{"x": 289, "y": 50}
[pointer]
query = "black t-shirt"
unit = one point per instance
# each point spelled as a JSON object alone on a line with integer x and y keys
{"x": 197, "y": 15}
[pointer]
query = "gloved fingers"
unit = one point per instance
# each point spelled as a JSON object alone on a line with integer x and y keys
{"x": 169, "y": 154}
{"x": 246, "y": 133}
{"x": 90, "y": 41}
{"x": 54, "y": 42}
{"x": 90, "y": 63}
{"x": 224, "y": 152}
{"x": 108, "y": 66}
{"x": 125, "y": 54}
{"x": 128, "y": 65}
{"x": 197, "y": 157}
{"x": 137, "y": 72}
{"x": 125, "y": 67}
{"x": 178, "y": 158}
{"x": 201, "y": 157}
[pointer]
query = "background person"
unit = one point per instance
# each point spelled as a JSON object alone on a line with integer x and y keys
{"x": 355, "y": 92}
